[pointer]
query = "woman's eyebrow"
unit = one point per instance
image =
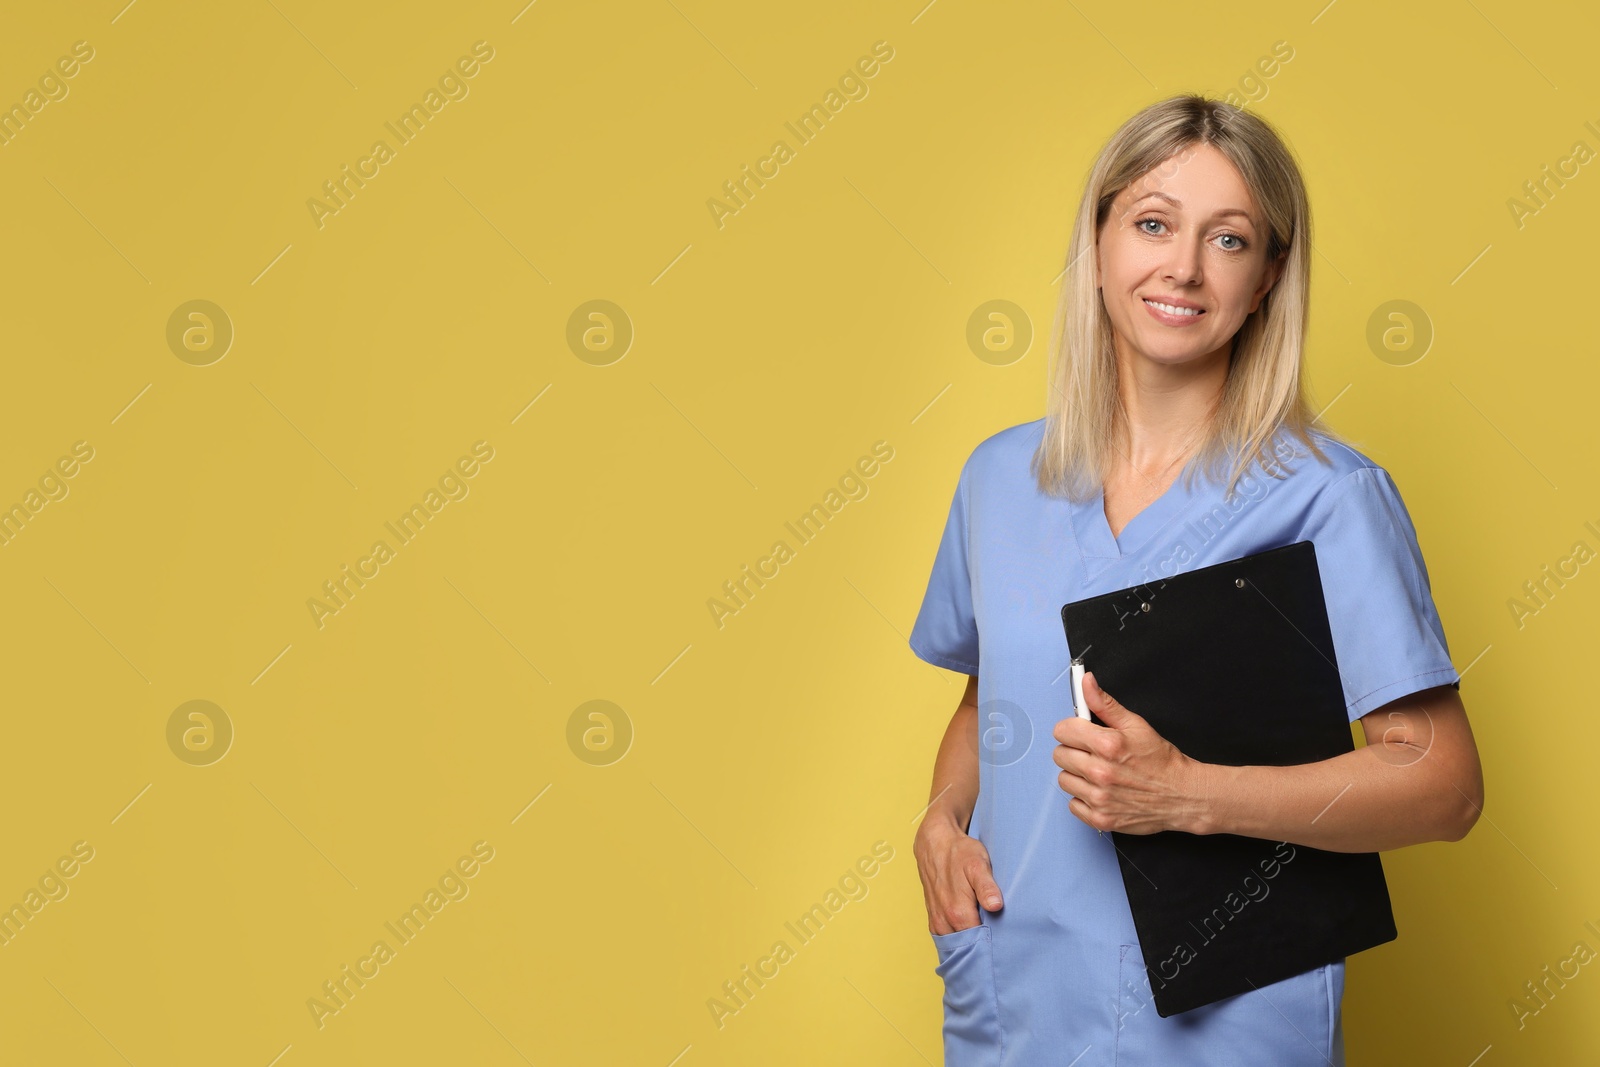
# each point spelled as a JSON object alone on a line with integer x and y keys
{"x": 1175, "y": 202}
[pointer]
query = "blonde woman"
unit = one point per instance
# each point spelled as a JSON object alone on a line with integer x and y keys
{"x": 1177, "y": 435}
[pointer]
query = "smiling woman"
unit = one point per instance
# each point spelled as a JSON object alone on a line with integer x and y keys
{"x": 1177, "y": 435}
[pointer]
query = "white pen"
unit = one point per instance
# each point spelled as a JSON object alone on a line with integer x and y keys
{"x": 1079, "y": 706}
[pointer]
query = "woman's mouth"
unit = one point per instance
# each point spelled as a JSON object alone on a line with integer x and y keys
{"x": 1172, "y": 315}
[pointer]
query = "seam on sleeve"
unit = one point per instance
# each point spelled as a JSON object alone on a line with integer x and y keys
{"x": 949, "y": 663}
{"x": 1402, "y": 681}
{"x": 1339, "y": 488}
{"x": 1417, "y": 573}
{"x": 1419, "y": 591}
{"x": 1421, "y": 586}
{"x": 1441, "y": 673}
{"x": 1335, "y": 445}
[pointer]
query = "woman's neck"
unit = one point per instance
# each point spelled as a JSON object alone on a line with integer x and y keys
{"x": 1166, "y": 408}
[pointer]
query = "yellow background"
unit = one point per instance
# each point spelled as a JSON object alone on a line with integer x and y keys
{"x": 768, "y": 355}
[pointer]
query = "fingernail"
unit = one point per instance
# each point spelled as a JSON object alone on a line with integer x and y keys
{"x": 994, "y": 902}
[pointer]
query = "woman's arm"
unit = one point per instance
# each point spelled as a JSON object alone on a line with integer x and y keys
{"x": 955, "y": 768}
{"x": 954, "y": 867}
{"x": 1418, "y": 779}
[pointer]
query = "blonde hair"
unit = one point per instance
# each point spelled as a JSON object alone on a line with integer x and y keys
{"x": 1264, "y": 389}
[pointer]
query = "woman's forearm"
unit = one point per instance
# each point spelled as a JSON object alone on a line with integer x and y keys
{"x": 1366, "y": 800}
{"x": 955, "y": 768}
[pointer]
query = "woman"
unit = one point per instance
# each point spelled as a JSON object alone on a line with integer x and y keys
{"x": 1181, "y": 326}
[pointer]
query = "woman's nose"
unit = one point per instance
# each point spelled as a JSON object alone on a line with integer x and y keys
{"x": 1183, "y": 265}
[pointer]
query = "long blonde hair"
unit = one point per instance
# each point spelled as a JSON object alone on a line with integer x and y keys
{"x": 1265, "y": 388}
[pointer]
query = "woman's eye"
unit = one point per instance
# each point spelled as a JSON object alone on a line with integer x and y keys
{"x": 1239, "y": 245}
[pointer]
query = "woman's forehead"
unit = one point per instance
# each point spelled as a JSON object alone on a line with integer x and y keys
{"x": 1203, "y": 182}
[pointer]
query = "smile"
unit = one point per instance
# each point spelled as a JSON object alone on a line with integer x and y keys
{"x": 1169, "y": 315}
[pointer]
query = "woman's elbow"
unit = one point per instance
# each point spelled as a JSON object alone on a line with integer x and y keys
{"x": 1468, "y": 804}
{"x": 1459, "y": 767}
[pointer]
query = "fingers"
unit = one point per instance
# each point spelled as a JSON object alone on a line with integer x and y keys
{"x": 1072, "y": 785}
{"x": 1072, "y": 757}
{"x": 1117, "y": 717}
{"x": 977, "y": 888}
{"x": 1087, "y": 815}
{"x": 1079, "y": 753}
{"x": 1091, "y": 684}
{"x": 1079, "y": 733}
{"x": 959, "y": 889}
{"x": 956, "y": 909}
{"x": 987, "y": 889}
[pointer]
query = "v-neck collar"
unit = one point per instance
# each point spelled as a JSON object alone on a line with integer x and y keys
{"x": 1092, "y": 531}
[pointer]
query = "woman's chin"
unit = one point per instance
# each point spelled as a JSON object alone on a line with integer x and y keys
{"x": 1172, "y": 355}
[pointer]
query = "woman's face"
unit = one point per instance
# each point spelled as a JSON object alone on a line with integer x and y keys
{"x": 1188, "y": 233}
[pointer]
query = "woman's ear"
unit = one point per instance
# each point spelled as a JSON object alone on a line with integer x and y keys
{"x": 1274, "y": 271}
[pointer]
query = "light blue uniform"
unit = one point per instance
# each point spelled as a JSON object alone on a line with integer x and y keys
{"x": 1057, "y": 975}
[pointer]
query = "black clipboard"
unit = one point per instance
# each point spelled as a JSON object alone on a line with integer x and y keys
{"x": 1234, "y": 664}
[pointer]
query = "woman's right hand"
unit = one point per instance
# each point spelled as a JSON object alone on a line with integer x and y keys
{"x": 956, "y": 876}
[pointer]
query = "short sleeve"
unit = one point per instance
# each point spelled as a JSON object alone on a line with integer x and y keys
{"x": 946, "y": 631}
{"x": 1387, "y": 635}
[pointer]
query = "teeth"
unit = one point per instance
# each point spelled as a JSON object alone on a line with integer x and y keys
{"x": 1170, "y": 310}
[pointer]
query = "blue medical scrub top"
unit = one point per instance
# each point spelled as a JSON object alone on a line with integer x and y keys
{"x": 1057, "y": 976}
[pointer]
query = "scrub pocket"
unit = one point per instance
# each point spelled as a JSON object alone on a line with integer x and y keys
{"x": 971, "y": 1007}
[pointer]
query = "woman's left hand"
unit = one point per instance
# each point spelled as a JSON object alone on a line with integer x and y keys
{"x": 1123, "y": 775}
